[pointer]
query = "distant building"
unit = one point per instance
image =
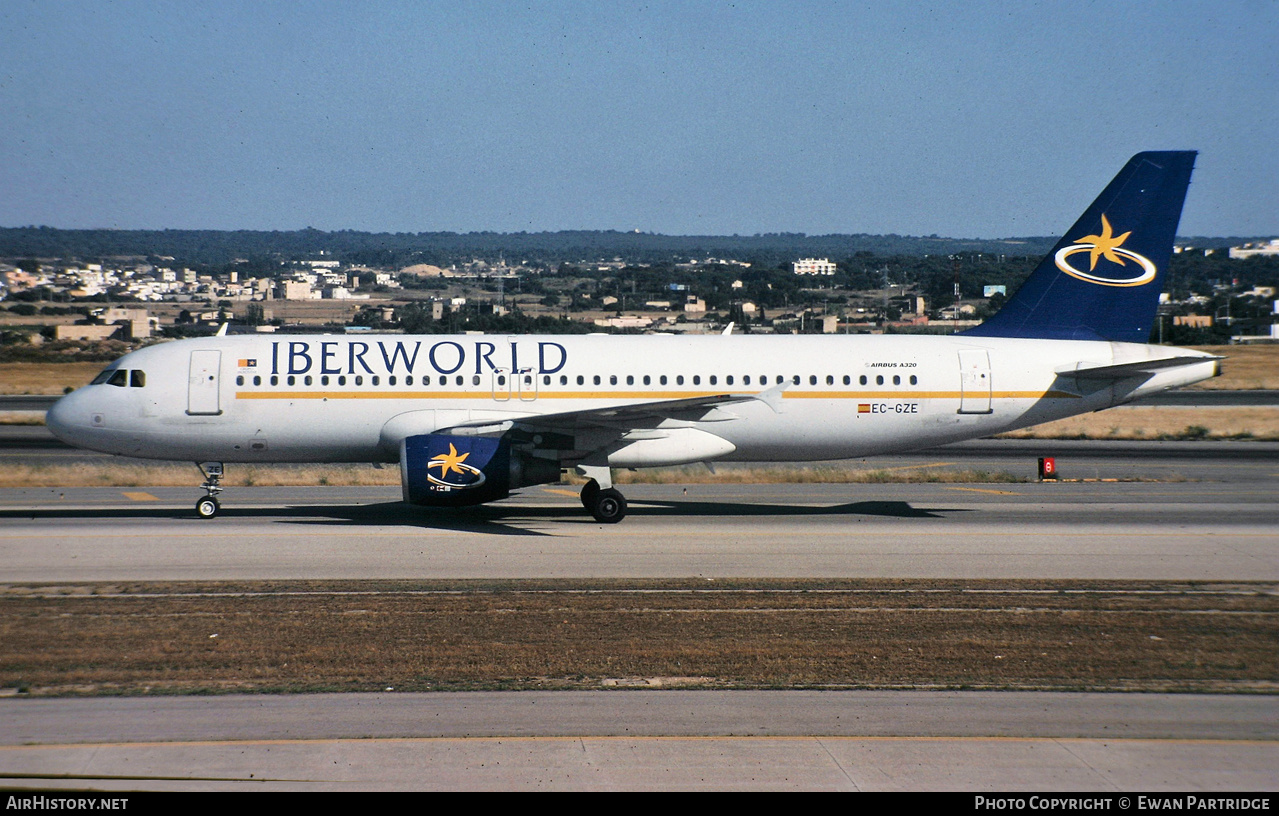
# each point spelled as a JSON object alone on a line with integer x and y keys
{"x": 813, "y": 266}
{"x": 17, "y": 280}
{"x": 297, "y": 290}
{"x": 84, "y": 332}
{"x": 1193, "y": 321}
{"x": 625, "y": 322}
{"x": 1270, "y": 247}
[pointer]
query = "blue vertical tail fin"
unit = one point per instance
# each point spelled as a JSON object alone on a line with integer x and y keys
{"x": 1102, "y": 280}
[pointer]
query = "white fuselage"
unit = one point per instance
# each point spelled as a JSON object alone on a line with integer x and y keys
{"x": 336, "y": 398}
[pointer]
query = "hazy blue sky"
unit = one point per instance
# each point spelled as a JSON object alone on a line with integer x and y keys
{"x": 965, "y": 119}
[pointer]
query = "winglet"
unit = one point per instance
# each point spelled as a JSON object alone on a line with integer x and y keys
{"x": 222, "y": 330}
{"x": 727, "y": 330}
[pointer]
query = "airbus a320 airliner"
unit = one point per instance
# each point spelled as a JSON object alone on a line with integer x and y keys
{"x": 470, "y": 418}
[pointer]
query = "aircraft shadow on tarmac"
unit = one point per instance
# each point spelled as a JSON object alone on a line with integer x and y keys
{"x": 495, "y": 518}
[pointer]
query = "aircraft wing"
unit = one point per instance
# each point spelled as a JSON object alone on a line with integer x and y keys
{"x": 634, "y": 415}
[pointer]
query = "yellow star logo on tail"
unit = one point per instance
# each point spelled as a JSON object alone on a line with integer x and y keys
{"x": 1104, "y": 245}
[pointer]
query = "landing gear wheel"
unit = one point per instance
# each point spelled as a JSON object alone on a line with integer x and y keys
{"x": 207, "y": 507}
{"x": 608, "y": 507}
{"x": 590, "y": 493}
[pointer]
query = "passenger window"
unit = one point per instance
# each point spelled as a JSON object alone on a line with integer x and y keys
{"x": 728, "y": 380}
{"x": 342, "y": 380}
{"x": 257, "y": 380}
{"x": 239, "y": 379}
{"x": 913, "y": 380}
{"x": 795, "y": 379}
{"x": 713, "y": 380}
{"x": 679, "y": 380}
{"x": 847, "y": 379}
{"x": 376, "y": 379}
{"x": 563, "y": 379}
{"x": 292, "y": 380}
{"x": 662, "y": 380}
{"x": 612, "y": 379}
{"x": 879, "y": 380}
{"x": 138, "y": 379}
{"x": 830, "y": 380}
{"x": 597, "y": 379}
{"x": 746, "y": 380}
{"x": 359, "y": 379}
{"x": 862, "y": 379}
{"x": 275, "y": 380}
{"x": 780, "y": 379}
{"x": 408, "y": 380}
{"x": 897, "y": 380}
{"x": 501, "y": 379}
{"x": 648, "y": 380}
{"x": 389, "y": 380}
{"x": 581, "y": 380}
{"x": 306, "y": 380}
{"x": 546, "y": 379}
{"x": 475, "y": 379}
{"x": 426, "y": 379}
{"x": 630, "y": 379}
{"x": 460, "y": 379}
{"x": 324, "y": 380}
{"x": 812, "y": 379}
{"x": 697, "y": 379}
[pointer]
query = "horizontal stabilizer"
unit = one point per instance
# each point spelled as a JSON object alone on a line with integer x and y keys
{"x": 1119, "y": 371}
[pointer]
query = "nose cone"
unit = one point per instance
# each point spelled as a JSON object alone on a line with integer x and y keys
{"x": 69, "y": 418}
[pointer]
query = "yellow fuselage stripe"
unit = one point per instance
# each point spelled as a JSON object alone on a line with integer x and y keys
{"x": 634, "y": 395}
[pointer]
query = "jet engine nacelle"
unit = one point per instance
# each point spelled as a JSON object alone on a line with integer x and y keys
{"x": 446, "y": 470}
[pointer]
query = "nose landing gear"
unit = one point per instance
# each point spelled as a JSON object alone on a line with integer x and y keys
{"x": 208, "y": 506}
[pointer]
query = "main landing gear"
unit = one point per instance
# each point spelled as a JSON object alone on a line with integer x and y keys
{"x": 208, "y": 506}
{"x": 607, "y": 505}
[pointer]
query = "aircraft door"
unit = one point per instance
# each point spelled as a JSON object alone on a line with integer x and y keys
{"x": 525, "y": 384}
{"x": 203, "y": 384}
{"x": 974, "y": 382}
{"x": 501, "y": 379}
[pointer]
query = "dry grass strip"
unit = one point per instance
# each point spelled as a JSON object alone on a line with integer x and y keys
{"x": 371, "y": 636}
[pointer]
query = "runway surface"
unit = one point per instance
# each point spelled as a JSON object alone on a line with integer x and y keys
{"x": 674, "y": 740}
{"x": 1215, "y": 519}
{"x": 1135, "y": 530}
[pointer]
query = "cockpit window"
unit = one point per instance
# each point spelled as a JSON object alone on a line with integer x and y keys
{"x": 103, "y": 377}
{"x": 119, "y": 377}
{"x": 138, "y": 378}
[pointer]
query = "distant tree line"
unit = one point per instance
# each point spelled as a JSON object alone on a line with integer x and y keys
{"x": 389, "y": 250}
